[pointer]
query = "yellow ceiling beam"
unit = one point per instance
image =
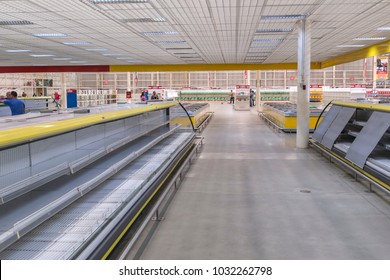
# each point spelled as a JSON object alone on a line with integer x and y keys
{"x": 206, "y": 67}
{"x": 373, "y": 50}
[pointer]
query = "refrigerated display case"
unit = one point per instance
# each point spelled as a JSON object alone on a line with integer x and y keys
{"x": 358, "y": 135}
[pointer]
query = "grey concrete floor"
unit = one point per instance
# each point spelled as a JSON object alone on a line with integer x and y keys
{"x": 252, "y": 195}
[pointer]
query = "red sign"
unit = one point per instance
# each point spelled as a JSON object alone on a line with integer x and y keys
{"x": 292, "y": 78}
{"x": 242, "y": 86}
{"x": 358, "y": 86}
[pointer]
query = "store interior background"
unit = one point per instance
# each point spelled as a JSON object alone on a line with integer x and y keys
{"x": 357, "y": 74}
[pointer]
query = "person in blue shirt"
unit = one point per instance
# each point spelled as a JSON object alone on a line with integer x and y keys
{"x": 17, "y": 106}
{"x": 251, "y": 98}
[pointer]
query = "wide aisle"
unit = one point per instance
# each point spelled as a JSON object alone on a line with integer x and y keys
{"x": 252, "y": 195}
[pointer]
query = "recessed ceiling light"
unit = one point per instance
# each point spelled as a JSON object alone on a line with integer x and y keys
{"x": 158, "y": 19}
{"x": 135, "y": 61}
{"x": 279, "y": 17}
{"x": 176, "y": 49}
{"x": 369, "y": 39}
{"x": 263, "y": 47}
{"x": 160, "y": 33}
{"x": 17, "y": 51}
{"x": 96, "y": 50}
{"x": 49, "y": 35}
{"x": 350, "y": 46}
{"x": 197, "y": 56}
{"x": 124, "y": 58}
{"x": 77, "y": 43}
{"x": 41, "y": 55}
{"x": 118, "y": 1}
{"x": 271, "y": 40}
{"x": 275, "y": 30}
{"x": 111, "y": 54}
{"x": 62, "y": 58}
{"x": 384, "y": 28}
{"x": 170, "y": 42}
{"x": 15, "y": 22}
{"x": 257, "y": 56}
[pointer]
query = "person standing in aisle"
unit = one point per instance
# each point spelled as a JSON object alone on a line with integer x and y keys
{"x": 146, "y": 93}
{"x": 143, "y": 98}
{"x": 17, "y": 106}
{"x": 231, "y": 97}
{"x": 154, "y": 96}
{"x": 251, "y": 98}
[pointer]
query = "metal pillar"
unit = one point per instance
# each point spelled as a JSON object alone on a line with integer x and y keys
{"x": 303, "y": 98}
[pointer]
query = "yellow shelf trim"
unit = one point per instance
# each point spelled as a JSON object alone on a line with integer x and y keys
{"x": 15, "y": 136}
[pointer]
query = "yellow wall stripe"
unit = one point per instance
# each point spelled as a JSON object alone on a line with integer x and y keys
{"x": 377, "y": 49}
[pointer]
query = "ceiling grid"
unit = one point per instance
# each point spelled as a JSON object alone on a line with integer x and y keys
{"x": 213, "y": 31}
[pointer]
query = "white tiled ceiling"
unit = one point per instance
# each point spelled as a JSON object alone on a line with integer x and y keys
{"x": 204, "y": 31}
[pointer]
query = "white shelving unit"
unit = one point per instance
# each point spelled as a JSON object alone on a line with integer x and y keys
{"x": 87, "y": 98}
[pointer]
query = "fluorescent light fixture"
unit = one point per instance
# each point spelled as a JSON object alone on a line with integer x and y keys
{"x": 49, "y": 35}
{"x": 135, "y": 61}
{"x": 350, "y": 46}
{"x": 17, "y": 51}
{"x": 275, "y": 30}
{"x": 111, "y": 54}
{"x": 15, "y": 22}
{"x": 77, "y": 43}
{"x": 385, "y": 28}
{"x": 193, "y": 60}
{"x": 41, "y": 55}
{"x": 62, "y": 58}
{"x": 271, "y": 40}
{"x": 158, "y": 19}
{"x": 125, "y": 58}
{"x": 160, "y": 33}
{"x": 78, "y": 62}
{"x": 119, "y": 1}
{"x": 279, "y": 17}
{"x": 96, "y": 50}
{"x": 176, "y": 49}
{"x": 256, "y": 56}
{"x": 263, "y": 47}
{"x": 369, "y": 39}
{"x": 170, "y": 42}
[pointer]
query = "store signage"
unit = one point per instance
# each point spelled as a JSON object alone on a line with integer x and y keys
{"x": 243, "y": 86}
{"x": 155, "y": 87}
{"x": 315, "y": 86}
{"x": 358, "y": 86}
